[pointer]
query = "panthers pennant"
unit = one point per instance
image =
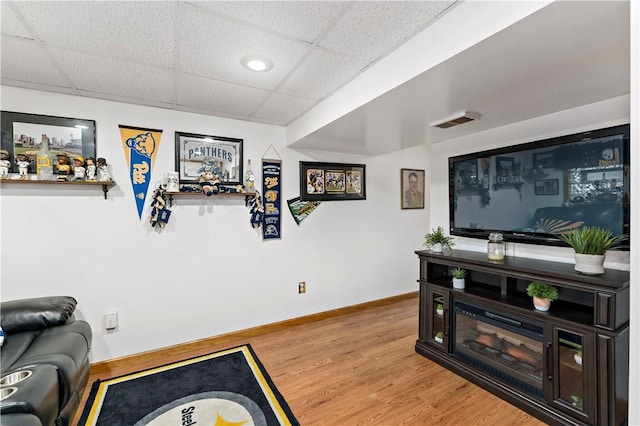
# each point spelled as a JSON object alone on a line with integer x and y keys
{"x": 140, "y": 149}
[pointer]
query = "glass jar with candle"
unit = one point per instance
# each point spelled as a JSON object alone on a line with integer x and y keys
{"x": 495, "y": 247}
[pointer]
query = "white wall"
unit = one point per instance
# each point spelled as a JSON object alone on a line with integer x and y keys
{"x": 208, "y": 272}
{"x": 602, "y": 114}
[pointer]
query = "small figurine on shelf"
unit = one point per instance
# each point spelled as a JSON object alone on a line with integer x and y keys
{"x": 63, "y": 167}
{"x": 78, "y": 168}
{"x": 103, "y": 170}
{"x": 91, "y": 169}
{"x": 23, "y": 166}
{"x": 209, "y": 183}
{"x": 5, "y": 164}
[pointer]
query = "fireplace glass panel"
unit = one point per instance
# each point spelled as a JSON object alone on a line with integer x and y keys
{"x": 500, "y": 345}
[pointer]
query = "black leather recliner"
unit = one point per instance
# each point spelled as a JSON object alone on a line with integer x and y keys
{"x": 48, "y": 349}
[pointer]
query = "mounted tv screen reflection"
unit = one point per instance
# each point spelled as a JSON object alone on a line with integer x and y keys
{"x": 535, "y": 191}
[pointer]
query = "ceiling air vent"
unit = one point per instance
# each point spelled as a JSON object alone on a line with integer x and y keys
{"x": 455, "y": 119}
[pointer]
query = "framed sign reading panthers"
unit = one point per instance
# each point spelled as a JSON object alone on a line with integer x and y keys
{"x": 332, "y": 181}
{"x": 195, "y": 153}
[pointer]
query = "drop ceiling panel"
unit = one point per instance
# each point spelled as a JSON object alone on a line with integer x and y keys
{"x": 212, "y": 47}
{"x": 137, "y": 31}
{"x": 382, "y": 26}
{"x": 305, "y": 20}
{"x": 26, "y": 61}
{"x": 186, "y": 56}
{"x": 126, "y": 99}
{"x": 322, "y": 73}
{"x": 116, "y": 76}
{"x": 12, "y": 25}
{"x": 280, "y": 109}
{"x": 218, "y": 96}
{"x": 157, "y": 43}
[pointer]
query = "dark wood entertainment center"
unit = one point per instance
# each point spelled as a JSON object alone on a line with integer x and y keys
{"x": 569, "y": 365}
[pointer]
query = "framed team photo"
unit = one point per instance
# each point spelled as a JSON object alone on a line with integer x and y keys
{"x": 332, "y": 181}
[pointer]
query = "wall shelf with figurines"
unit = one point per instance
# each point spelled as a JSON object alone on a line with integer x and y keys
{"x": 105, "y": 185}
{"x": 171, "y": 194}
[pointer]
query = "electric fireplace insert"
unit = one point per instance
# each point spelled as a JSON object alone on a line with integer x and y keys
{"x": 502, "y": 345}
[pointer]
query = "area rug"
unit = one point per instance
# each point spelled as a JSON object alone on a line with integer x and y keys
{"x": 229, "y": 387}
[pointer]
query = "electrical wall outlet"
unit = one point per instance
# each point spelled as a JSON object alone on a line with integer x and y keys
{"x": 302, "y": 287}
{"x": 110, "y": 320}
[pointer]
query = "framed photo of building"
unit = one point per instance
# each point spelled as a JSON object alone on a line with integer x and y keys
{"x": 22, "y": 136}
{"x": 546, "y": 187}
{"x": 412, "y": 189}
{"x": 196, "y": 152}
{"x": 332, "y": 181}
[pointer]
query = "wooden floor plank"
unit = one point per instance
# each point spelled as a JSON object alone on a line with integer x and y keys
{"x": 355, "y": 366}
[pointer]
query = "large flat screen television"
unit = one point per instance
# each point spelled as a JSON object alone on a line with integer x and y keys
{"x": 533, "y": 192}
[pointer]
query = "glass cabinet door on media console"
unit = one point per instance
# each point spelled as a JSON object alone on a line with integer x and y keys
{"x": 571, "y": 372}
{"x": 437, "y": 325}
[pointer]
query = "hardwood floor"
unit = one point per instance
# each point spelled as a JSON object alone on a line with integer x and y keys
{"x": 353, "y": 366}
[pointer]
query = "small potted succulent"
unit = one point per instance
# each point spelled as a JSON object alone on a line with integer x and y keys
{"x": 590, "y": 244}
{"x": 543, "y": 294}
{"x": 439, "y": 309}
{"x": 436, "y": 240}
{"x": 438, "y": 337}
{"x": 458, "y": 278}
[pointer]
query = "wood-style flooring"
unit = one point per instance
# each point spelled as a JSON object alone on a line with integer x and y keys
{"x": 352, "y": 366}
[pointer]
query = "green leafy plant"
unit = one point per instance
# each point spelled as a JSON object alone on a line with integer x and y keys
{"x": 577, "y": 401}
{"x": 542, "y": 290}
{"x": 591, "y": 240}
{"x": 439, "y": 335}
{"x": 437, "y": 236}
{"x": 459, "y": 273}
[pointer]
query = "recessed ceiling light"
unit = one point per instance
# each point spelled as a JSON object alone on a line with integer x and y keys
{"x": 256, "y": 63}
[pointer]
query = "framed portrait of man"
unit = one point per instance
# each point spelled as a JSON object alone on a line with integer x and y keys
{"x": 412, "y": 189}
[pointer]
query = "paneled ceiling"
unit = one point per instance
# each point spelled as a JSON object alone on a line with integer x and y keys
{"x": 565, "y": 55}
{"x": 186, "y": 55}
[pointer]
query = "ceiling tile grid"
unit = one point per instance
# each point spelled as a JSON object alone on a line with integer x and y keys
{"x": 281, "y": 109}
{"x": 137, "y": 31}
{"x": 126, "y": 99}
{"x": 115, "y": 76}
{"x": 186, "y": 55}
{"x": 25, "y": 61}
{"x": 321, "y": 73}
{"x": 302, "y": 20}
{"x": 212, "y": 47}
{"x": 381, "y": 26}
{"x": 218, "y": 96}
{"x": 11, "y": 23}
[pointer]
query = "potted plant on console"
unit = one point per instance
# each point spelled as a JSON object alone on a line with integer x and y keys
{"x": 590, "y": 244}
{"x": 458, "y": 278}
{"x": 543, "y": 294}
{"x": 437, "y": 240}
